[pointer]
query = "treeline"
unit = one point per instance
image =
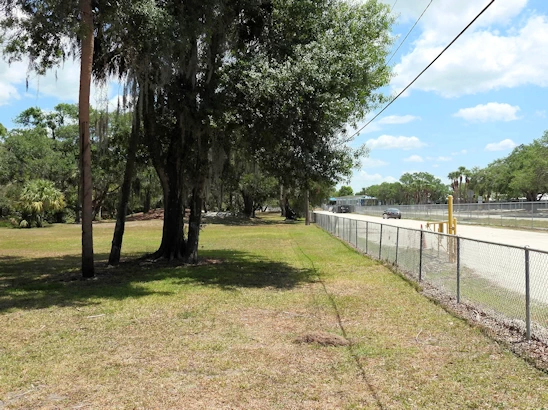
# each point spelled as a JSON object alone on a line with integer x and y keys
{"x": 39, "y": 177}
{"x": 39, "y": 158}
{"x": 521, "y": 174}
{"x": 412, "y": 188}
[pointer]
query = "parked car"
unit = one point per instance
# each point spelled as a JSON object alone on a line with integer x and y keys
{"x": 391, "y": 213}
{"x": 342, "y": 209}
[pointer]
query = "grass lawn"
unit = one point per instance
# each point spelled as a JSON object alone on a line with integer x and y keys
{"x": 233, "y": 332}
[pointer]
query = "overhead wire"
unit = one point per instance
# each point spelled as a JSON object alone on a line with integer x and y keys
{"x": 426, "y": 68}
{"x": 409, "y": 32}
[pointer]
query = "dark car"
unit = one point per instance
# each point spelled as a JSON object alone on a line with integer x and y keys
{"x": 391, "y": 213}
{"x": 342, "y": 209}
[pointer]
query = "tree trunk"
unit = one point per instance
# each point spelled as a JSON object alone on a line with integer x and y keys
{"x": 173, "y": 244}
{"x": 116, "y": 248}
{"x": 289, "y": 213}
{"x": 147, "y": 201}
{"x": 220, "y": 205}
{"x": 248, "y": 204}
{"x": 199, "y": 174}
{"x": 282, "y": 200}
{"x": 168, "y": 169}
{"x": 78, "y": 207}
{"x": 306, "y": 208}
{"x": 86, "y": 17}
{"x": 194, "y": 223}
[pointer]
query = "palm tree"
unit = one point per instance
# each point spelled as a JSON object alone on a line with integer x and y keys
{"x": 86, "y": 61}
{"x": 38, "y": 197}
{"x": 454, "y": 177}
{"x": 463, "y": 172}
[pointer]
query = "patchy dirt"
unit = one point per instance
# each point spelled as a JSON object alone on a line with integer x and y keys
{"x": 510, "y": 333}
{"x": 208, "y": 217}
{"x": 150, "y": 215}
{"x": 322, "y": 339}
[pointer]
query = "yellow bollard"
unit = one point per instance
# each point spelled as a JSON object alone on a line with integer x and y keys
{"x": 450, "y": 214}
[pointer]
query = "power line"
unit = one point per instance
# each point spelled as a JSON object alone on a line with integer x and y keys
{"x": 392, "y": 8}
{"x": 409, "y": 32}
{"x": 421, "y": 73}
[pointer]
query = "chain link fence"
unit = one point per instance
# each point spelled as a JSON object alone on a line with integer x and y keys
{"x": 503, "y": 280}
{"x": 509, "y": 214}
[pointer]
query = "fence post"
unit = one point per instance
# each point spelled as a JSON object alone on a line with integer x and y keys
{"x": 357, "y": 234}
{"x": 366, "y": 235}
{"x": 397, "y": 243}
{"x": 420, "y": 256}
{"x": 527, "y": 296}
{"x": 458, "y": 269}
{"x": 380, "y": 243}
{"x": 349, "y": 230}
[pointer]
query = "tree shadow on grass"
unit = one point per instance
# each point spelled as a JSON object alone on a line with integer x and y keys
{"x": 235, "y": 269}
{"x": 56, "y": 281}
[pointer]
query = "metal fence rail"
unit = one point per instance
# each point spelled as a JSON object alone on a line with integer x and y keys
{"x": 510, "y": 214}
{"x": 505, "y": 280}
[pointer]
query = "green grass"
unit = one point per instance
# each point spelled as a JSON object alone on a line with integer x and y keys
{"x": 222, "y": 334}
{"x": 475, "y": 289}
{"x": 507, "y": 222}
{"x": 5, "y": 223}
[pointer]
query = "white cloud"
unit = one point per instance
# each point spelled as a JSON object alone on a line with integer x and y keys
{"x": 435, "y": 165}
{"x": 7, "y": 93}
{"x": 462, "y": 151}
{"x": 414, "y": 158}
{"x": 398, "y": 119}
{"x": 373, "y": 127}
{"x": 540, "y": 113}
{"x": 444, "y": 159}
{"x": 489, "y": 112}
{"x": 10, "y": 76}
{"x": 504, "y": 145}
{"x": 62, "y": 83}
{"x": 373, "y": 163}
{"x": 482, "y": 59}
{"x": 362, "y": 179}
{"x": 377, "y": 125}
{"x": 391, "y": 142}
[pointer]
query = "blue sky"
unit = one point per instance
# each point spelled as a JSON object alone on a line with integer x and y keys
{"x": 484, "y": 96}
